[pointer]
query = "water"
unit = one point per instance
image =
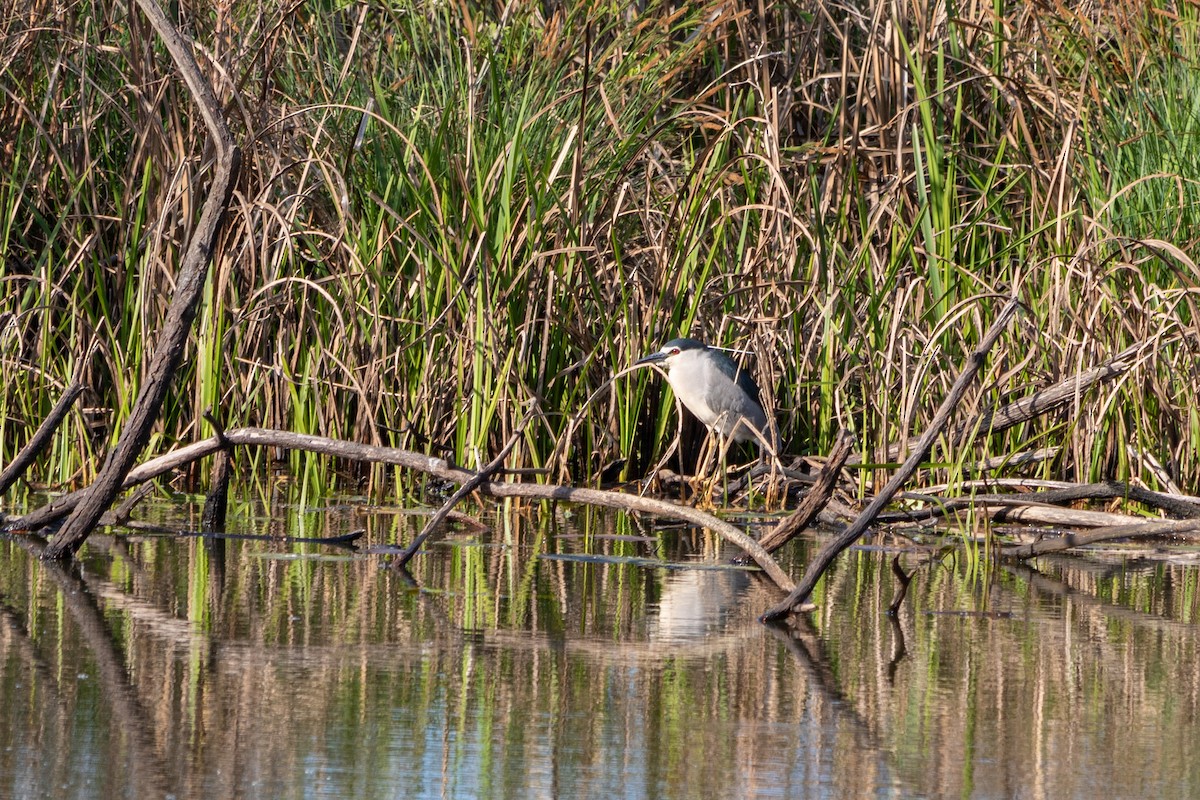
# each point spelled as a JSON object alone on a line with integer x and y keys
{"x": 543, "y": 658}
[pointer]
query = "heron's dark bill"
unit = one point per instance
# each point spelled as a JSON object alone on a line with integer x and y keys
{"x": 651, "y": 359}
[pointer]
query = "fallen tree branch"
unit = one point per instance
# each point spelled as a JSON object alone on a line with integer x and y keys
{"x": 121, "y": 514}
{"x": 1175, "y": 505}
{"x": 189, "y": 287}
{"x": 1066, "y": 542}
{"x": 920, "y": 452}
{"x": 62, "y": 506}
{"x": 41, "y": 437}
{"x": 814, "y": 501}
{"x": 1028, "y": 514}
{"x": 437, "y": 467}
{"x": 1035, "y": 405}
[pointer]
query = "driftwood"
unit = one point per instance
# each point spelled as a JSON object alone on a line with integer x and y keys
{"x": 1176, "y": 505}
{"x": 437, "y": 467}
{"x": 1172, "y": 527}
{"x": 189, "y": 287}
{"x": 920, "y": 452}
{"x": 1014, "y": 510}
{"x": 814, "y": 501}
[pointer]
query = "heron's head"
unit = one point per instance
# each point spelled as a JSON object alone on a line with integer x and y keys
{"x": 672, "y": 351}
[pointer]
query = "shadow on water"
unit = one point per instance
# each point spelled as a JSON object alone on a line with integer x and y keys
{"x": 580, "y": 654}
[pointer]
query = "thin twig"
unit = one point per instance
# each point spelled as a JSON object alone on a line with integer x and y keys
{"x": 465, "y": 489}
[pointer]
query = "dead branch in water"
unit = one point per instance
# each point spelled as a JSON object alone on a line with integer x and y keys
{"x": 815, "y": 500}
{"x": 437, "y": 467}
{"x": 216, "y": 502}
{"x": 1067, "y": 541}
{"x": 1176, "y": 505}
{"x": 920, "y": 452}
{"x": 41, "y": 437}
{"x": 189, "y": 287}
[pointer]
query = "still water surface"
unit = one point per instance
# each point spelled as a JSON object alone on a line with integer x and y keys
{"x": 542, "y": 657}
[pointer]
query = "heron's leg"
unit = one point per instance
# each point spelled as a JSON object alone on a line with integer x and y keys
{"x": 703, "y": 480}
{"x": 707, "y": 452}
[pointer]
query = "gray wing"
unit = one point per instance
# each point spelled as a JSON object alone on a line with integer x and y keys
{"x": 750, "y": 406}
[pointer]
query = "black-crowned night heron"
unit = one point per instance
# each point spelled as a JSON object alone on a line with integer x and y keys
{"x": 716, "y": 390}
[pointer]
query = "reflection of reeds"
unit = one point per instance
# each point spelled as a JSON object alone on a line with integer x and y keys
{"x": 833, "y": 191}
{"x": 1037, "y": 666}
{"x": 505, "y": 662}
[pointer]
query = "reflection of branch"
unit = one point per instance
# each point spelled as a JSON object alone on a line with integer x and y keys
{"x": 1057, "y": 588}
{"x": 899, "y": 651}
{"x": 130, "y": 716}
{"x": 904, "y": 579}
{"x": 24, "y": 641}
{"x": 1069, "y": 540}
{"x": 803, "y": 642}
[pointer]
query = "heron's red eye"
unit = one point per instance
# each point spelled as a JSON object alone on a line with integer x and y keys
{"x": 674, "y": 351}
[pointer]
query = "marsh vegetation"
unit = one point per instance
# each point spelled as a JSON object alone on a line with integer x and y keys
{"x": 452, "y": 226}
{"x": 449, "y": 215}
